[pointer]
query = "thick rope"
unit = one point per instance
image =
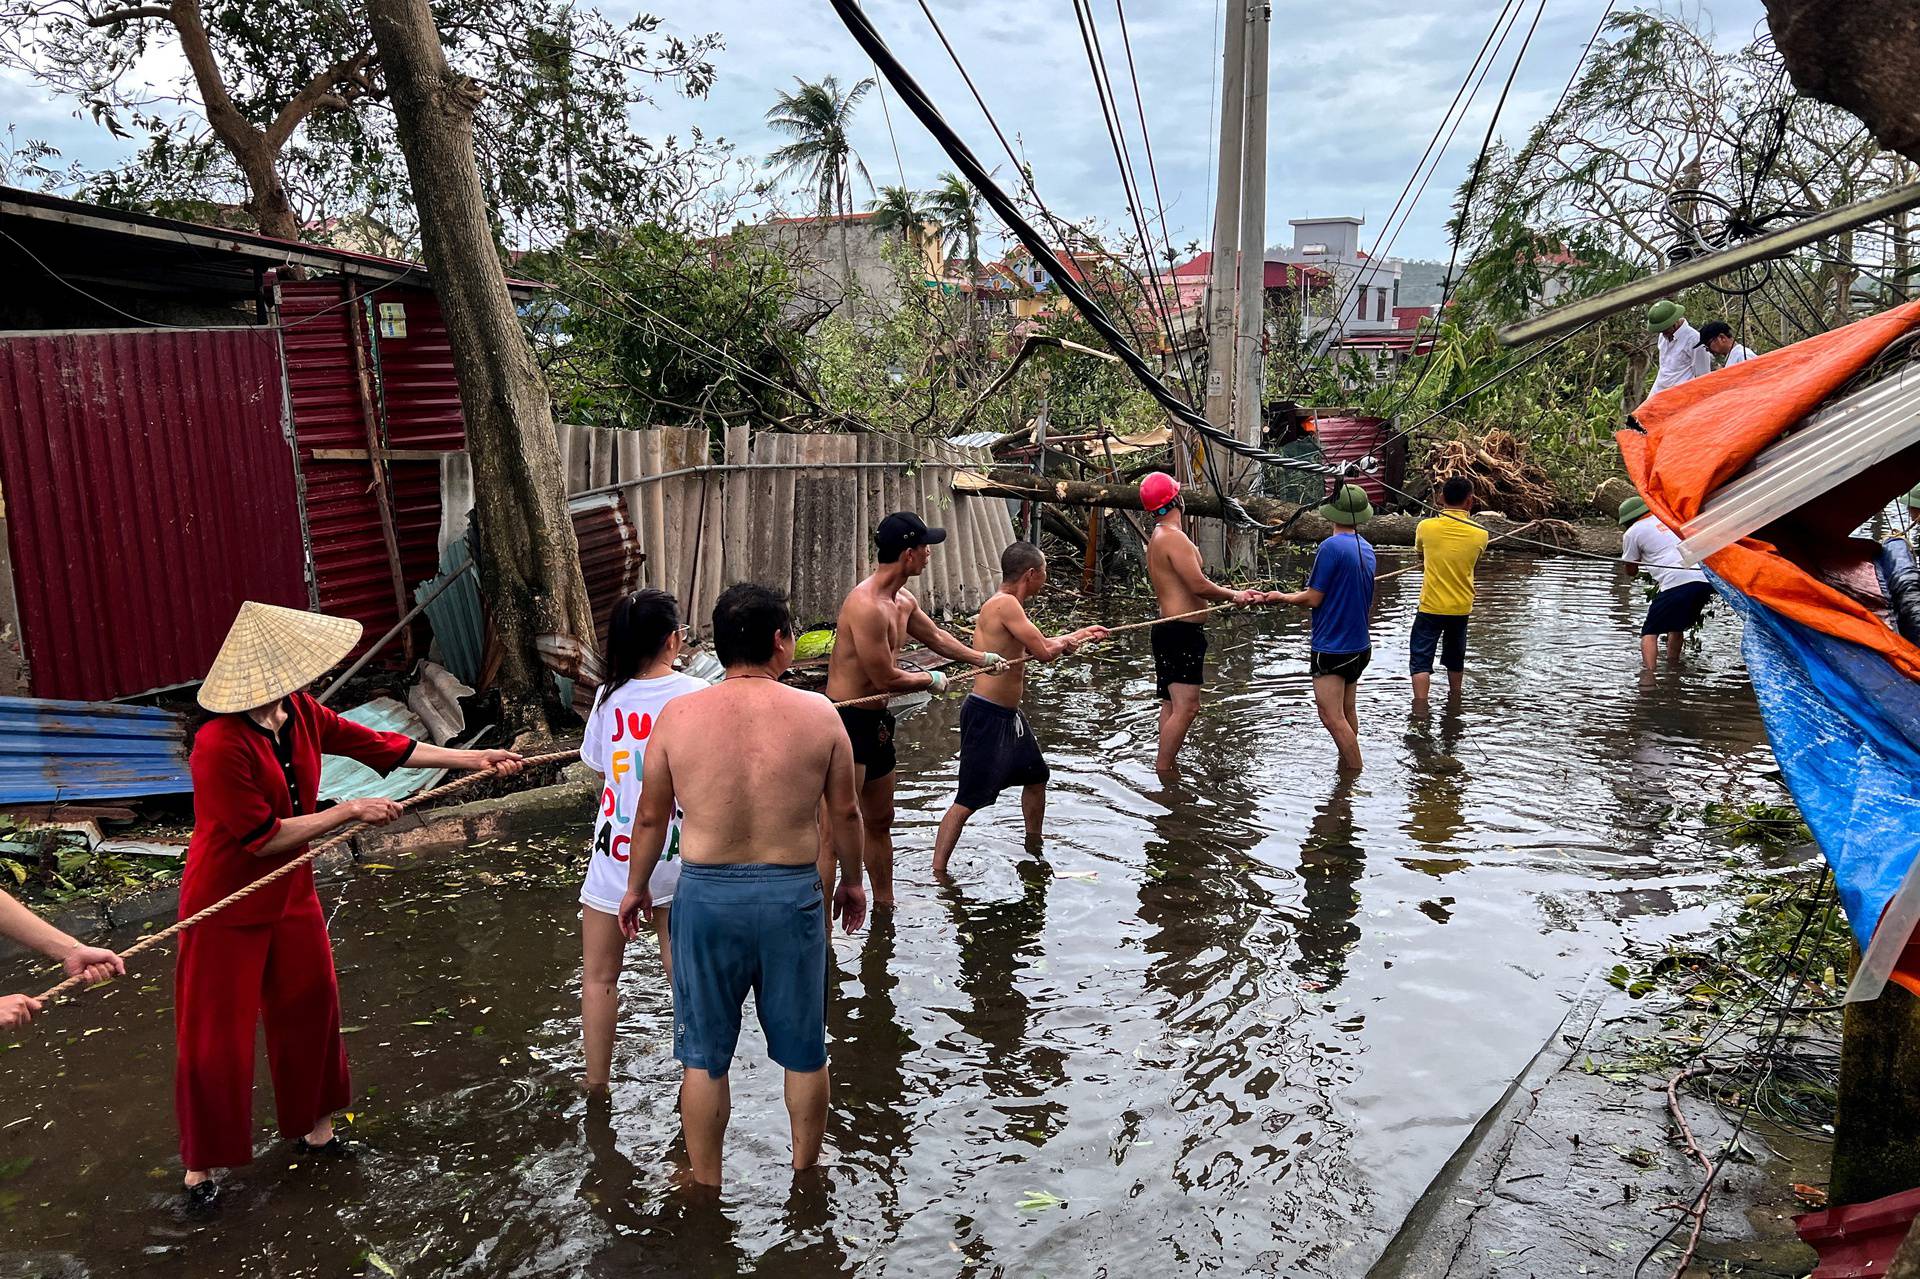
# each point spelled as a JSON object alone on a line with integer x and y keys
{"x": 978, "y": 671}
{"x": 281, "y": 872}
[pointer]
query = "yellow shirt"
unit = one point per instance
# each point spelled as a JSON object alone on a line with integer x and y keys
{"x": 1449, "y": 547}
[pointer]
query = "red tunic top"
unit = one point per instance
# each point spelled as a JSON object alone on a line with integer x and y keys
{"x": 246, "y": 781}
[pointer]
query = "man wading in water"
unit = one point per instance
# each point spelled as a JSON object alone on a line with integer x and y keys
{"x": 875, "y": 621}
{"x": 1180, "y": 585}
{"x": 997, "y": 749}
{"x": 751, "y": 762}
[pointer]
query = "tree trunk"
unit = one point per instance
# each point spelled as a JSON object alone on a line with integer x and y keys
{"x": 529, "y": 561}
{"x": 1382, "y": 530}
{"x": 1876, "y": 1123}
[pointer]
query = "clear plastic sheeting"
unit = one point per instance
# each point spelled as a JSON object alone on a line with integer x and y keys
{"x": 1854, "y": 433}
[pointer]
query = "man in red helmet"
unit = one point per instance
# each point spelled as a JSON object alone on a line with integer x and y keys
{"x": 1180, "y": 586}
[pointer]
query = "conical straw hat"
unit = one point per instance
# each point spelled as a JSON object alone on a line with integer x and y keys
{"x": 271, "y": 652}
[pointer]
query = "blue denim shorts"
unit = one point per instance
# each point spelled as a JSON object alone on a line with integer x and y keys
{"x": 749, "y": 928}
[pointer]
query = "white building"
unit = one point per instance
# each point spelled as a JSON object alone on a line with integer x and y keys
{"x": 1365, "y": 290}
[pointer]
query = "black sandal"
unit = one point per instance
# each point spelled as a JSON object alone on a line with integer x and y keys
{"x": 332, "y": 1148}
{"x": 203, "y": 1198}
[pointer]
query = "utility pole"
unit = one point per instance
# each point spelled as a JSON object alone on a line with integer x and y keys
{"x": 1221, "y": 293}
{"x": 1249, "y": 363}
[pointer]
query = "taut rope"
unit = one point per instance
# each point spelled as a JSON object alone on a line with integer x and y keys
{"x": 281, "y": 872}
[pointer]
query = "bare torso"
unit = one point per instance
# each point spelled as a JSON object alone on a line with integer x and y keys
{"x": 749, "y": 759}
{"x": 845, "y": 676}
{"x": 1169, "y": 553}
{"x": 991, "y": 634}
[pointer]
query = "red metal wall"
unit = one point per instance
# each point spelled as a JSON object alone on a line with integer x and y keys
{"x": 148, "y": 490}
{"x": 417, "y": 406}
{"x": 1346, "y": 437}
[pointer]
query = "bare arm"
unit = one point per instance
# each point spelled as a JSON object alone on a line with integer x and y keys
{"x": 297, "y": 831}
{"x": 842, "y": 800}
{"x": 1185, "y": 563}
{"x": 651, "y": 822}
{"x": 1044, "y": 649}
{"x": 869, "y": 629}
{"x": 922, "y": 628}
{"x": 1307, "y": 598}
{"x": 31, "y": 931}
{"x": 76, "y": 960}
{"x": 427, "y": 755}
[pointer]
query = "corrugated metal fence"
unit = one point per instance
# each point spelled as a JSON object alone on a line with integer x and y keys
{"x": 792, "y": 511}
{"x": 148, "y": 490}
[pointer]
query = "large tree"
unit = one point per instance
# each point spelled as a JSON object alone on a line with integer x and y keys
{"x": 955, "y": 205}
{"x": 529, "y": 560}
{"x": 281, "y": 104}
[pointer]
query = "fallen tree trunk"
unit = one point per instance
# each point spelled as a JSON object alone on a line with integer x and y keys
{"x": 1383, "y": 530}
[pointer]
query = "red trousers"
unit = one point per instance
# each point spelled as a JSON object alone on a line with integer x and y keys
{"x": 227, "y": 980}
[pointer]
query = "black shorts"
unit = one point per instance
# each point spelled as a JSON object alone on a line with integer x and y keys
{"x": 870, "y": 729}
{"x": 1179, "y": 656}
{"x": 997, "y": 750}
{"x": 1445, "y": 631}
{"x": 1348, "y": 666}
{"x": 1675, "y": 609}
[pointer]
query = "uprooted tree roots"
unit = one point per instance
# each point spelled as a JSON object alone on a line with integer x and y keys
{"x": 1504, "y": 478}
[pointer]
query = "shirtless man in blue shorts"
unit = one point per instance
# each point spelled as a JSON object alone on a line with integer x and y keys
{"x": 751, "y": 763}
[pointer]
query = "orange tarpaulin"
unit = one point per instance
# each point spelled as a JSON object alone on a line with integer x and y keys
{"x": 1702, "y": 433}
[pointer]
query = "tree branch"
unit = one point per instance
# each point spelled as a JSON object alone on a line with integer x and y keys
{"x": 331, "y": 87}
{"x": 114, "y": 17}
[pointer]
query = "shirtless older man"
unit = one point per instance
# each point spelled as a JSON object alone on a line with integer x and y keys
{"x": 875, "y": 621}
{"x": 997, "y": 749}
{"x": 750, "y": 762}
{"x": 1180, "y": 585}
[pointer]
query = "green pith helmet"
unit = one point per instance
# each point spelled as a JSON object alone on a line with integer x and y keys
{"x": 1348, "y": 506}
{"x": 1662, "y": 314}
{"x": 1632, "y": 509}
{"x": 1913, "y": 498}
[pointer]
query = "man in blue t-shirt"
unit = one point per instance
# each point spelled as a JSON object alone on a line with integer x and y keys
{"x": 1340, "y": 593}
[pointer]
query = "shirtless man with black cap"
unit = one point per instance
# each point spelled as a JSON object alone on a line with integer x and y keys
{"x": 875, "y": 622}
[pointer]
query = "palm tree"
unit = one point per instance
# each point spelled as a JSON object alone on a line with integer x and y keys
{"x": 816, "y": 116}
{"x": 897, "y": 209}
{"x": 956, "y": 206}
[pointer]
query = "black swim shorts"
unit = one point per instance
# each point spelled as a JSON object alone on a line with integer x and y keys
{"x": 1676, "y": 608}
{"x": 1348, "y": 666}
{"x": 997, "y": 750}
{"x": 870, "y": 729}
{"x": 1179, "y": 655}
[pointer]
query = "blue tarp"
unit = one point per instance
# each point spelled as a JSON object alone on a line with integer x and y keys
{"x": 1845, "y": 727}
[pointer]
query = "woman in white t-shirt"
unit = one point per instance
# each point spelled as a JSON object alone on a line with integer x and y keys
{"x": 643, "y": 640}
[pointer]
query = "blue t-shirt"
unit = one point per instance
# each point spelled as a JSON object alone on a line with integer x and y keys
{"x": 1343, "y": 573}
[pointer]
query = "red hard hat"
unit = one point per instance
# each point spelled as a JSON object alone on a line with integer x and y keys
{"x": 1159, "y": 491}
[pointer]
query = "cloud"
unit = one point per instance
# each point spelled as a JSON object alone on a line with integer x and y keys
{"x": 1356, "y": 91}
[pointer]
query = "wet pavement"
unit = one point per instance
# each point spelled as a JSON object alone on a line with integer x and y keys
{"x": 1233, "y": 1025}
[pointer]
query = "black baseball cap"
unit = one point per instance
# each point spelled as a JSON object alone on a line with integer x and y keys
{"x": 1715, "y": 329}
{"x": 903, "y": 531}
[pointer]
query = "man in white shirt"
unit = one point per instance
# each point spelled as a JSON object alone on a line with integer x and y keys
{"x": 1682, "y": 358}
{"x": 1683, "y": 592}
{"x": 1717, "y": 337}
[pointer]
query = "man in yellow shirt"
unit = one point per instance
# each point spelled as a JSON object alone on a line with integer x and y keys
{"x": 1450, "y": 544}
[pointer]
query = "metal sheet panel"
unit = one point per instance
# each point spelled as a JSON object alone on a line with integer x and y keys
{"x": 51, "y": 751}
{"x": 148, "y": 490}
{"x": 343, "y": 778}
{"x": 1348, "y": 437}
{"x": 419, "y": 403}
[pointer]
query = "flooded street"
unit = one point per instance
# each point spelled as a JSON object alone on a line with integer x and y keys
{"x": 1233, "y": 1026}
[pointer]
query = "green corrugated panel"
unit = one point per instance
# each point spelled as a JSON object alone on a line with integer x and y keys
{"x": 342, "y": 778}
{"x": 459, "y": 626}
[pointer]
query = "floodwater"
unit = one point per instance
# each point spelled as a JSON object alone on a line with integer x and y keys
{"x": 1233, "y": 1026}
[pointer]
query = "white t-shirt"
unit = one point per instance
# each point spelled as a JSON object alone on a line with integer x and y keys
{"x": 1656, "y": 548}
{"x": 1737, "y": 354}
{"x": 1682, "y": 358}
{"x": 615, "y": 745}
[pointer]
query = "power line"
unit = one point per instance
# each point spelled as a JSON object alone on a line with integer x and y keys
{"x": 929, "y": 116}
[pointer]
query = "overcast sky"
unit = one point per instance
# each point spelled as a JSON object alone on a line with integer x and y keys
{"x": 1357, "y": 88}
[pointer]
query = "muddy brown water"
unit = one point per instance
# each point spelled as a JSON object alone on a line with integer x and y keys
{"x": 1229, "y": 1026}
